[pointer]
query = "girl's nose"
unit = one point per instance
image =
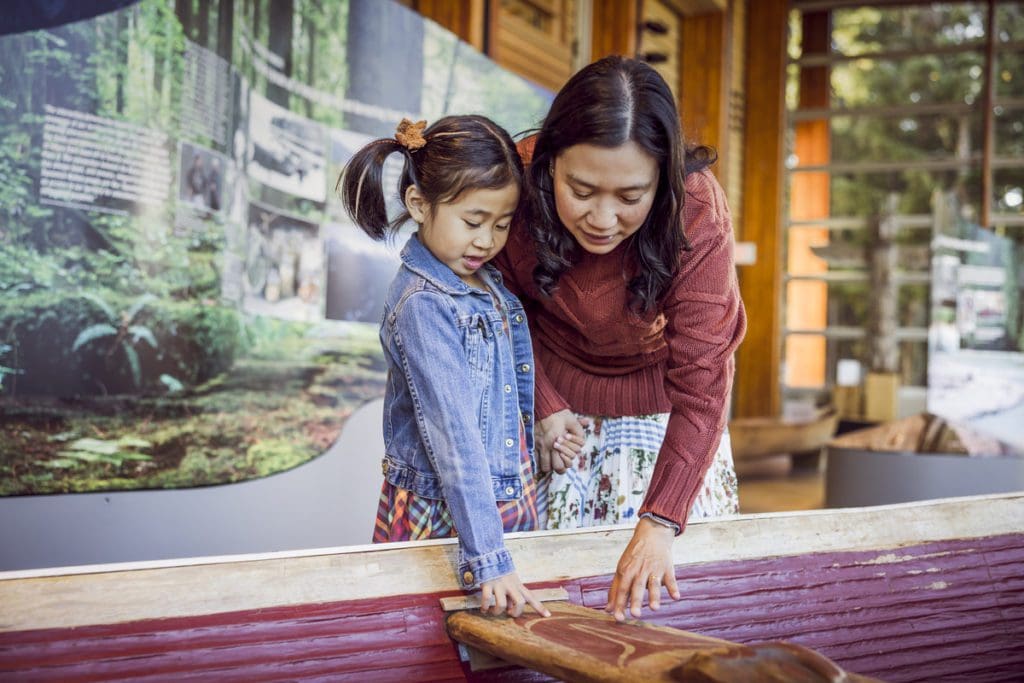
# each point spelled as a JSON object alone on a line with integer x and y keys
{"x": 484, "y": 239}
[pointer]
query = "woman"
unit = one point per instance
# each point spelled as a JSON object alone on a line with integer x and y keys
{"x": 623, "y": 258}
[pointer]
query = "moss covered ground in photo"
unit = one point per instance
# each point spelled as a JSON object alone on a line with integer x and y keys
{"x": 281, "y": 405}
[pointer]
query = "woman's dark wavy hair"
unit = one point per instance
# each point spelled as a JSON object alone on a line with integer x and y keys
{"x": 461, "y": 153}
{"x": 609, "y": 103}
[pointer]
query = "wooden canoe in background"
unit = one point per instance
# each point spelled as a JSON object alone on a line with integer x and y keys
{"x": 912, "y": 592}
{"x": 752, "y": 437}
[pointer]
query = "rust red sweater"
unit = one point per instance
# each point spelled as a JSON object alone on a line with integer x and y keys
{"x": 595, "y": 356}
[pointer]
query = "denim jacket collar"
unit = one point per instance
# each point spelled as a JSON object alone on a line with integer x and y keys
{"x": 418, "y": 259}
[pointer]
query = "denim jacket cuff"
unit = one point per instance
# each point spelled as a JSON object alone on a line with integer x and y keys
{"x": 476, "y": 570}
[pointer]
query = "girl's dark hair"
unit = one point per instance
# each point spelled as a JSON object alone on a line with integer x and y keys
{"x": 461, "y": 153}
{"x": 609, "y": 103}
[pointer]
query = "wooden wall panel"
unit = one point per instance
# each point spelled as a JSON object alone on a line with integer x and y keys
{"x": 668, "y": 44}
{"x": 533, "y": 38}
{"x": 614, "y": 28}
{"x": 756, "y": 390}
{"x": 464, "y": 18}
{"x": 703, "y": 84}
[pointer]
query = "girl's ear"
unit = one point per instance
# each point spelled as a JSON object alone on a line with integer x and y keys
{"x": 416, "y": 204}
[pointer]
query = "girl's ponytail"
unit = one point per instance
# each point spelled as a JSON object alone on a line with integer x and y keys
{"x": 361, "y": 187}
{"x": 455, "y": 154}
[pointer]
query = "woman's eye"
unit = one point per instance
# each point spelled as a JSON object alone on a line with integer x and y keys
{"x": 580, "y": 195}
{"x": 631, "y": 200}
{"x": 470, "y": 223}
{"x": 502, "y": 227}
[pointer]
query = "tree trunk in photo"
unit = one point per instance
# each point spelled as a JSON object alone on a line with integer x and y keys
{"x": 203, "y": 22}
{"x": 311, "y": 29}
{"x": 281, "y": 21}
{"x": 225, "y": 28}
{"x": 121, "y": 63}
{"x": 183, "y": 10}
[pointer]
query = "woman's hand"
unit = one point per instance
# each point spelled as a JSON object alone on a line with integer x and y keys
{"x": 559, "y": 441}
{"x": 508, "y": 594}
{"x": 645, "y": 565}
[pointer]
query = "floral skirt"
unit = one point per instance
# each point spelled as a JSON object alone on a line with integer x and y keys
{"x": 609, "y": 479}
{"x": 404, "y": 516}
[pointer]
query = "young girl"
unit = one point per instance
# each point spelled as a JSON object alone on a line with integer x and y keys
{"x": 458, "y": 406}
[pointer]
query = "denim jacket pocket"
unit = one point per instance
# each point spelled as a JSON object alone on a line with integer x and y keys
{"x": 477, "y": 337}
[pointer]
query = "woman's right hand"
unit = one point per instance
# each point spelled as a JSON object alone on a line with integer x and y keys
{"x": 560, "y": 439}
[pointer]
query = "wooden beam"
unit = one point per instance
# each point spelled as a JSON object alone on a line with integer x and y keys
{"x": 704, "y": 84}
{"x": 756, "y": 390}
{"x": 615, "y": 25}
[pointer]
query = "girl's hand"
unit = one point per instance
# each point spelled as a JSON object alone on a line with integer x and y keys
{"x": 508, "y": 594}
{"x": 559, "y": 441}
{"x": 645, "y": 565}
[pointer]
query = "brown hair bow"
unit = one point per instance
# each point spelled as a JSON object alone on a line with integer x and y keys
{"x": 410, "y": 135}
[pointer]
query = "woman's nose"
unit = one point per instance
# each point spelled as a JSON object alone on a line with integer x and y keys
{"x": 602, "y": 218}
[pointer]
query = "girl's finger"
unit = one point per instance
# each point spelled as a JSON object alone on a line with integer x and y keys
{"x": 536, "y": 604}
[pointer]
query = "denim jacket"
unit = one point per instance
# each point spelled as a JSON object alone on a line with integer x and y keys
{"x": 456, "y": 391}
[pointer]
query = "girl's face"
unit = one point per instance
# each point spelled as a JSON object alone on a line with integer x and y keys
{"x": 603, "y": 194}
{"x": 467, "y": 233}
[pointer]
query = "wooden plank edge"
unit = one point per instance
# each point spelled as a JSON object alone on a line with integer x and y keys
{"x": 115, "y": 594}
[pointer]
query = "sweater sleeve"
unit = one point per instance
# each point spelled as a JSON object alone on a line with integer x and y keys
{"x": 705, "y": 322}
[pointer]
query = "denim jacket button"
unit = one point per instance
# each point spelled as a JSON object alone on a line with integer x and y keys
{"x": 467, "y": 577}
{"x": 519, "y": 317}
{"x": 509, "y": 442}
{"x": 525, "y": 367}
{"x": 526, "y": 418}
{"x": 508, "y": 388}
{"x": 510, "y": 490}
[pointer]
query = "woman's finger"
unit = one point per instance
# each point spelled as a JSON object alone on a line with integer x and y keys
{"x": 636, "y": 596}
{"x": 620, "y": 593}
{"x": 654, "y": 591}
{"x": 670, "y": 583}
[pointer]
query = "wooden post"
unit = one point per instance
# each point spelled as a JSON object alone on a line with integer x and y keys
{"x": 881, "y": 386}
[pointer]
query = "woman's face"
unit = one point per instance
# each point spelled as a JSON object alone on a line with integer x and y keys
{"x": 603, "y": 194}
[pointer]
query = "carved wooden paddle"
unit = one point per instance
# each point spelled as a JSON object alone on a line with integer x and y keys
{"x": 581, "y": 644}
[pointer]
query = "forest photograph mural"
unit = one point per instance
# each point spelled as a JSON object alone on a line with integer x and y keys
{"x": 182, "y": 300}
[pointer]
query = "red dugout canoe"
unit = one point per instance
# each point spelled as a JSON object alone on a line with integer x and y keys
{"x": 911, "y": 592}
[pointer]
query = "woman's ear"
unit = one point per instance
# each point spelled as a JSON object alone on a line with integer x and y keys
{"x": 416, "y": 204}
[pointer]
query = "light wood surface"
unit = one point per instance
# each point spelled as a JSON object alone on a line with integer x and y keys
{"x": 107, "y": 594}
